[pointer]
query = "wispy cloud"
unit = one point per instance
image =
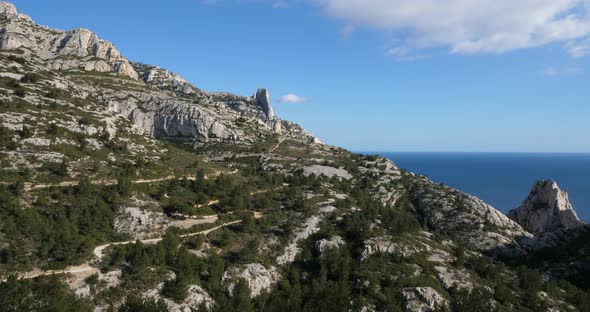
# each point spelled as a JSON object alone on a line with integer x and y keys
{"x": 403, "y": 53}
{"x": 562, "y": 71}
{"x": 462, "y": 27}
{"x": 469, "y": 27}
{"x": 346, "y": 31}
{"x": 579, "y": 49}
{"x": 292, "y": 98}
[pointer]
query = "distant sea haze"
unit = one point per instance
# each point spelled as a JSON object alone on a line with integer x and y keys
{"x": 503, "y": 180}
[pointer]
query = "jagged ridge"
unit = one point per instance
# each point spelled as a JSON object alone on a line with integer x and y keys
{"x": 186, "y": 113}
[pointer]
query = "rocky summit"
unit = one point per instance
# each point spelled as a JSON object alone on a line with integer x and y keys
{"x": 124, "y": 187}
{"x": 167, "y": 110}
{"x": 546, "y": 209}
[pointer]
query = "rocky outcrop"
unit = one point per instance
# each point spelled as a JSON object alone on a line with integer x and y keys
{"x": 466, "y": 218}
{"x": 159, "y": 102}
{"x": 262, "y": 97}
{"x": 546, "y": 209}
{"x": 140, "y": 224}
{"x": 310, "y": 227}
{"x": 136, "y": 221}
{"x": 163, "y": 78}
{"x": 260, "y": 278}
{"x": 327, "y": 171}
{"x": 7, "y": 8}
{"x": 63, "y": 50}
{"x": 422, "y": 299}
{"x": 325, "y": 244}
{"x": 195, "y": 299}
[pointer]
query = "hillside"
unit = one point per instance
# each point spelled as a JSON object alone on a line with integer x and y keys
{"x": 126, "y": 188}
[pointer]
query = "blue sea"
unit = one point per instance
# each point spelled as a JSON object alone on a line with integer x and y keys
{"x": 503, "y": 179}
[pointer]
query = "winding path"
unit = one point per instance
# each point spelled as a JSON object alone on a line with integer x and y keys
{"x": 281, "y": 140}
{"x": 32, "y": 186}
{"x": 99, "y": 253}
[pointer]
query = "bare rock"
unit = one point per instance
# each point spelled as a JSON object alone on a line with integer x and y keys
{"x": 546, "y": 209}
{"x": 196, "y": 297}
{"x": 262, "y": 96}
{"x": 63, "y": 50}
{"x": 327, "y": 171}
{"x": 422, "y": 299}
{"x": 310, "y": 227}
{"x": 335, "y": 242}
{"x": 139, "y": 223}
{"x": 260, "y": 278}
{"x": 8, "y": 8}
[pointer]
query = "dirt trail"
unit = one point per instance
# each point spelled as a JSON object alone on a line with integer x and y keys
{"x": 31, "y": 186}
{"x": 99, "y": 253}
{"x": 281, "y": 140}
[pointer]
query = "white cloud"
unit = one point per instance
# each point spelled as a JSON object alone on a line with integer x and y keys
{"x": 403, "y": 53}
{"x": 292, "y": 98}
{"x": 579, "y": 49}
{"x": 469, "y": 26}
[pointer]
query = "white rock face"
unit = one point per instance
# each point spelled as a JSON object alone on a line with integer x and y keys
{"x": 310, "y": 227}
{"x": 326, "y": 244}
{"x": 260, "y": 279}
{"x": 327, "y": 171}
{"x": 451, "y": 277}
{"x": 8, "y": 8}
{"x": 171, "y": 109}
{"x": 546, "y": 209}
{"x": 63, "y": 50}
{"x": 262, "y": 96}
{"x": 422, "y": 299}
{"x": 139, "y": 224}
{"x": 164, "y": 78}
{"x": 196, "y": 297}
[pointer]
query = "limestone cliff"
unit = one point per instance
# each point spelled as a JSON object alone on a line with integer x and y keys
{"x": 546, "y": 209}
{"x": 159, "y": 102}
{"x": 62, "y": 50}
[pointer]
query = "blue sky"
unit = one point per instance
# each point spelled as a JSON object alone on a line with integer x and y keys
{"x": 373, "y": 75}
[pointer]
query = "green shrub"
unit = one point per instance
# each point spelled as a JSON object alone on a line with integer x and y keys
{"x": 53, "y": 129}
{"x": 25, "y": 132}
{"x": 20, "y": 92}
{"x": 92, "y": 279}
{"x": 30, "y": 78}
{"x": 137, "y": 304}
{"x": 58, "y": 169}
{"x": 54, "y": 94}
{"x": 17, "y": 59}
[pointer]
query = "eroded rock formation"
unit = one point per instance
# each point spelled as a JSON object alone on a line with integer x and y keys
{"x": 546, "y": 209}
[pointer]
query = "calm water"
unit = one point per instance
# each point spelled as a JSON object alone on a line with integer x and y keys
{"x": 501, "y": 179}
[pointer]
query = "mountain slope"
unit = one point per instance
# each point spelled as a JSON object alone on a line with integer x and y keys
{"x": 158, "y": 102}
{"x": 136, "y": 189}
